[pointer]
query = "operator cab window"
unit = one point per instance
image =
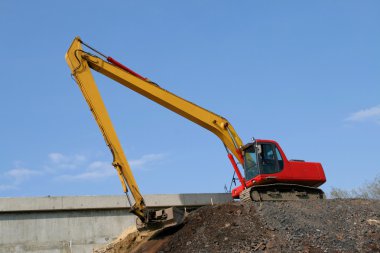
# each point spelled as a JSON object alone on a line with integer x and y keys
{"x": 279, "y": 159}
{"x": 251, "y": 168}
{"x": 270, "y": 160}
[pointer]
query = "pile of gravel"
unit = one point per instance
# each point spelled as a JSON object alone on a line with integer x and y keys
{"x": 324, "y": 225}
{"x": 293, "y": 226}
{"x": 289, "y": 226}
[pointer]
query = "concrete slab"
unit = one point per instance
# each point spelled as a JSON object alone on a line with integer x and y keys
{"x": 108, "y": 202}
{"x": 78, "y": 223}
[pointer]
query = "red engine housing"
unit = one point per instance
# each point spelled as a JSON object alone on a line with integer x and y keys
{"x": 293, "y": 172}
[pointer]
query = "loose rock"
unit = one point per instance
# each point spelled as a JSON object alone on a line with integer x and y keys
{"x": 292, "y": 226}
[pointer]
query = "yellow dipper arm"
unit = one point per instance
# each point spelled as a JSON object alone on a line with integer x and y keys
{"x": 80, "y": 63}
{"x": 82, "y": 74}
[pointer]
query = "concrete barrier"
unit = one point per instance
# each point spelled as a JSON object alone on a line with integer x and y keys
{"x": 78, "y": 224}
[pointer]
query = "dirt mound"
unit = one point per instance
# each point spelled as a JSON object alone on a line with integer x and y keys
{"x": 325, "y": 226}
{"x": 294, "y": 226}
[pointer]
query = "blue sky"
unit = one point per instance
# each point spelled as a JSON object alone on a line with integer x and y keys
{"x": 304, "y": 73}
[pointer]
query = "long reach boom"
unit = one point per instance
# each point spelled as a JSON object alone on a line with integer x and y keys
{"x": 81, "y": 63}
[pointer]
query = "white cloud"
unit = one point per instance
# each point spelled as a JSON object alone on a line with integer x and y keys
{"x": 61, "y": 165}
{"x": 100, "y": 165}
{"x": 61, "y": 161}
{"x": 145, "y": 160}
{"x": 98, "y": 170}
{"x": 88, "y": 175}
{"x": 71, "y": 168}
{"x": 5, "y": 187}
{"x": 15, "y": 177}
{"x": 369, "y": 114}
{"x": 21, "y": 173}
{"x": 95, "y": 170}
{"x": 56, "y": 157}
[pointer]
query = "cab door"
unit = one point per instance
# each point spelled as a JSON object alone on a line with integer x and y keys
{"x": 270, "y": 159}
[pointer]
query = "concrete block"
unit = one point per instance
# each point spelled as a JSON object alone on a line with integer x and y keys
{"x": 79, "y": 223}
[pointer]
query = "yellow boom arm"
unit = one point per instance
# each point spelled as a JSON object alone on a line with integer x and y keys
{"x": 80, "y": 63}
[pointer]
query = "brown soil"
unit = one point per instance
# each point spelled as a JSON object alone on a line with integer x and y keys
{"x": 294, "y": 226}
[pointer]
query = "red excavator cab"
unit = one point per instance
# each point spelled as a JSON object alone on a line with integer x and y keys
{"x": 265, "y": 164}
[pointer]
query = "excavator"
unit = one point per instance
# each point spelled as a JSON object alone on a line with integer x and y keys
{"x": 268, "y": 174}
